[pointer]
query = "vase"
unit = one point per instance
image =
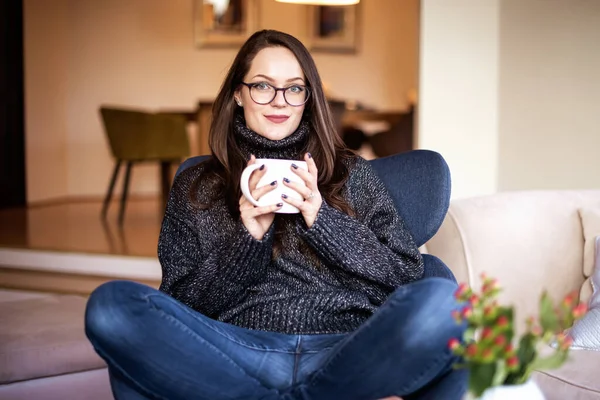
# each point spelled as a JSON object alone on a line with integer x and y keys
{"x": 526, "y": 391}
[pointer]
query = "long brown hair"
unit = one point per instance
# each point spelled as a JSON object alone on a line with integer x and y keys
{"x": 325, "y": 145}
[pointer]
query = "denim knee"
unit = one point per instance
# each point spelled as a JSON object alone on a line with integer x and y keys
{"x": 106, "y": 313}
{"x": 434, "y": 303}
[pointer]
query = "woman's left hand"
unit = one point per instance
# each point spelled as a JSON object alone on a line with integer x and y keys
{"x": 312, "y": 197}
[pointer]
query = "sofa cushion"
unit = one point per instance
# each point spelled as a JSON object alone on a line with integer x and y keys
{"x": 590, "y": 222}
{"x": 586, "y": 331}
{"x": 530, "y": 241}
{"x": 42, "y": 337}
{"x": 575, "y": 379}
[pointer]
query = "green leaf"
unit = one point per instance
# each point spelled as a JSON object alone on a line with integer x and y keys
{"x": 551, "y": 362}
{"x": 526, "y": 353}
{"x": 469, "y": 334}
{"x": 501, "y": 373}
{"x": 481, "y": 377}
{"x": 527, "y": 349}
{"x": 548, "y": 318}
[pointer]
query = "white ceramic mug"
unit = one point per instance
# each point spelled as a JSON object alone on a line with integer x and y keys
{"x": 276, "y": 170}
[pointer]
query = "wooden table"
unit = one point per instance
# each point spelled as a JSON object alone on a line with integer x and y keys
{"x": 352, "y": 118}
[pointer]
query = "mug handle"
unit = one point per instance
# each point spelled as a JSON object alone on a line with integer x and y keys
{"x": 244, "y": 182}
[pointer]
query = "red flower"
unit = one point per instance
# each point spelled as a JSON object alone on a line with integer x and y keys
{"x": 474, "y": 300}
{"x": 486, "y": 333}
{"x": 580, "y": 310}
{"x": 467, "y": 312}
{"x": 490, "y": 285}
{"x": 472, "y": 350}
{"x": 509, "y": 348}
{"x": 453, "y": 344}
{"x": 487, "y": 354}
{"x": 500, "y": 340}
{"x": 512, "y": 362}
{"x": 462, "y": 289}
{"x": 568, "y": 300}
{"x": 502, "y": 321}
{"x": 566, "y": 343}
{"x": 488, "y": 311}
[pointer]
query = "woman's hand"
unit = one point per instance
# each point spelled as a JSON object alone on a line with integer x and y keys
{"x": 257, "y": 220}
{"x": 312, "y": 197}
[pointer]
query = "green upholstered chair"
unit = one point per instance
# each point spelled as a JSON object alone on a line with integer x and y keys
{"x": 137, "y": 136}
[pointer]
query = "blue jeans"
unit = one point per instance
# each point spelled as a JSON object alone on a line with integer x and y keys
{"x": 158, "y": 348}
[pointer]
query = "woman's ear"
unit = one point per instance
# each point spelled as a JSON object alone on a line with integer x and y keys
{"x": 237, "y": 96}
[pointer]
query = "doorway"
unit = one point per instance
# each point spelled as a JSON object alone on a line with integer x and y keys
{"x": 12, "y": 110}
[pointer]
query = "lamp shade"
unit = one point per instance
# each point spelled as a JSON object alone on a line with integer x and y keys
{"x": 322, "y": 2}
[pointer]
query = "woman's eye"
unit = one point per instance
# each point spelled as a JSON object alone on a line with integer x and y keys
{"x": 296, "y": 89}
{"x": 262, "y": 86}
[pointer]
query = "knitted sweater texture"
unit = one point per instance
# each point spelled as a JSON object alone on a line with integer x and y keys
{"x": 328, "y": 278}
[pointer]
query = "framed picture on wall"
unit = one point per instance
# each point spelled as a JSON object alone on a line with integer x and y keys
{"x": 334, "y": 28}
{"x": 224, "y": 23}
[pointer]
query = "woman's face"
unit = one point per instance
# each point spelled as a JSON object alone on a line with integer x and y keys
{"x": 278, "y": 67}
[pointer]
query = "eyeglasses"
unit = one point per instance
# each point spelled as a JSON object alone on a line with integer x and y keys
{"x": 263, "y": 93}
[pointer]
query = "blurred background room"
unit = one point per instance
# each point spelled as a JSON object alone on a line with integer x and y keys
{"x": 508, "y": 91}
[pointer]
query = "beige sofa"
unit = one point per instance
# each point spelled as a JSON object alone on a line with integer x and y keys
{"x": 530, "y": 241}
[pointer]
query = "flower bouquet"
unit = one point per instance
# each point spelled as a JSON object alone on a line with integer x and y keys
{"x": 489, "y": 348}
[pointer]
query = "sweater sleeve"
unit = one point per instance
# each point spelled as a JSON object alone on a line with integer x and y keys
{"x": 373, "y": 252}
{"x": 209, "y": 283}
{"x": 210, "y": 270}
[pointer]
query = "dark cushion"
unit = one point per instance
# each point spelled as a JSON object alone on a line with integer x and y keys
{"x": 419, "y": 183}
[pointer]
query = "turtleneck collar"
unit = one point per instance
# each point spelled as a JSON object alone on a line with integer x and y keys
{"x": 251, "y": 142}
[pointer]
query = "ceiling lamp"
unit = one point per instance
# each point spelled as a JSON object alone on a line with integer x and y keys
{"x": 322, "y": 2}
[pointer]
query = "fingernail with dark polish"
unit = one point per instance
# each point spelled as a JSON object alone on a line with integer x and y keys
{"x": 286, "y": 180}
{"x": 273, "y": 183}
{"x": 294, "y": 166}
{"x": 284, "y": 196}
{"x": 309, "y": 155}
{"x": 262, "y": 167}
{"x": 279, "y": 204}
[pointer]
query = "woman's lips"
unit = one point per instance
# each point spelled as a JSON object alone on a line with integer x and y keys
{"x": 277, "y": 119}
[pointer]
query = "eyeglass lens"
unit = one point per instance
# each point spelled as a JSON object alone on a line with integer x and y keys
{"x": 264, "y": 93}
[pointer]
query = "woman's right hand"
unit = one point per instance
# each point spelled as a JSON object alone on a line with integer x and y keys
{"x": 257, "y": 220}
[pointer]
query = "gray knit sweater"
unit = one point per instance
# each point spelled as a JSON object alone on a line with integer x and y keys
{"x": 212, "y": 264}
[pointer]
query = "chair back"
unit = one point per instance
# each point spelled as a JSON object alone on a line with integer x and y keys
{"x": 418, "y": 182}
{"x": 136, "y": 135}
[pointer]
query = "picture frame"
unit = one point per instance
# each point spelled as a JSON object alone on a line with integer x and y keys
{"x": 224, "y": 23}
{"x": 334, "y": 29}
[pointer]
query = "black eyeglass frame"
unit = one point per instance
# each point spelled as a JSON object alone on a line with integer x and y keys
{"x": 253, "y": 84}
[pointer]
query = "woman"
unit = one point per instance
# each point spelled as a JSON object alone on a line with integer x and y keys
{"x": 324, "y": 304}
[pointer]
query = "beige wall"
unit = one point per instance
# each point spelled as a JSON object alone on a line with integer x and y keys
{"x": 510, "y": 92}
{"x": 549, "y": 94}
{"x": 458, "y": 99}
{"x": 46, "y": 98}
{"x": 82, "y": 53}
